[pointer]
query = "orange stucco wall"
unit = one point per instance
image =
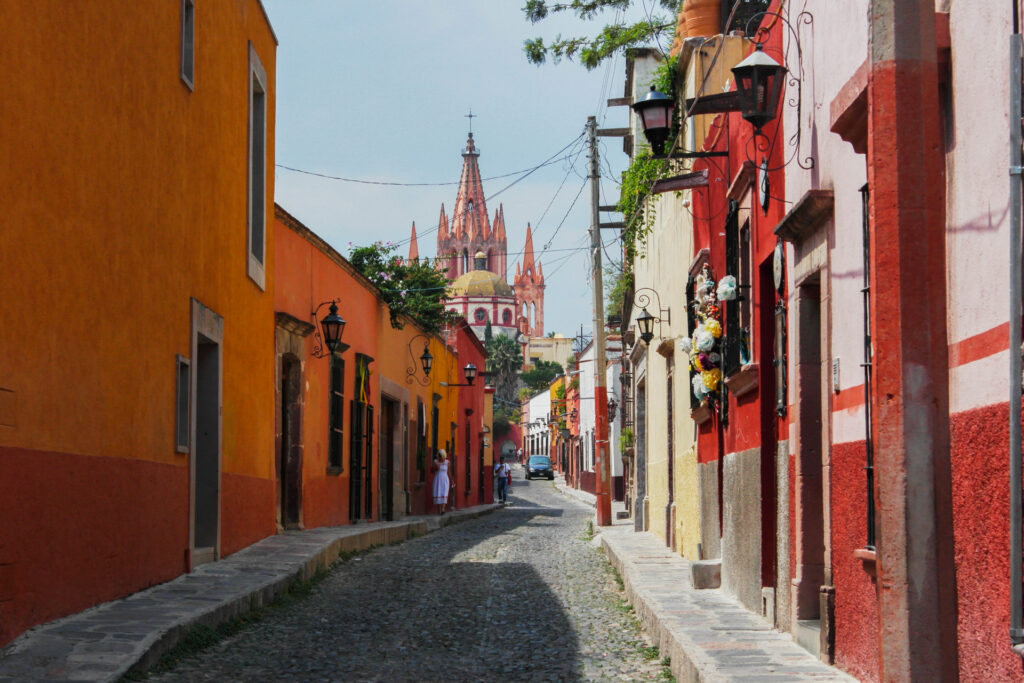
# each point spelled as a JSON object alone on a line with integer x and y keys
{"x": 309, "y": 271}
{"x": 126, "y": 198}
{"x": 306, "y": 275}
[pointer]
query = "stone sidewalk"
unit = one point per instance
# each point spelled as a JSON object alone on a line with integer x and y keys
{"x": 107, "y": 641}
{"x": 708, "y": 635}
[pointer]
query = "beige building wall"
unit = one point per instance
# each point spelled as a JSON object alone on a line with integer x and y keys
{"x": 555, "y": 349}
{"x": 663, "y": 269}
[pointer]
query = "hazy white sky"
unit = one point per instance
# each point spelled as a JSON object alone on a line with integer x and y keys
{"x": 378, "y": 90}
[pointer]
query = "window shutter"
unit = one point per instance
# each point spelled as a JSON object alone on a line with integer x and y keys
{"x": 733, "y": 334}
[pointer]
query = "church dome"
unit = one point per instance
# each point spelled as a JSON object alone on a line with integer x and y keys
{"x": 480, "y": 283}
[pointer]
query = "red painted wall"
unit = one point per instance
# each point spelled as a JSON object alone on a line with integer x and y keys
{"x": 980, "y": 473}
{"x": 51, "y": 564}
{"x": 469, "y": 349}
{"x": 856, "y": 602}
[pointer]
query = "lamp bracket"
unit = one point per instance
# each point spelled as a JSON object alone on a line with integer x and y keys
{"x": 644, "y": 300}
{"x": 794, "y": 79}
{"x": 320, "y": 349}
{"x": 410, "y": 372}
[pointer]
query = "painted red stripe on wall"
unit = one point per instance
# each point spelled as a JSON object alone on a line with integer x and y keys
{"x": 980, "y": 346}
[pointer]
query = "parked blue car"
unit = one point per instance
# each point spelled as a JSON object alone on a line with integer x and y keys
{"x": 539, "y": 466}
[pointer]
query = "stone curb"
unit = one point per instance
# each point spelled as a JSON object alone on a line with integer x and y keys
{"x": 709, "y": 637}
{"x": 105, "y": 642}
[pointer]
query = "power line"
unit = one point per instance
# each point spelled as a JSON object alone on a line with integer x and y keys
{"x": 396, "y": 184}
{"x": 525, "y": 175}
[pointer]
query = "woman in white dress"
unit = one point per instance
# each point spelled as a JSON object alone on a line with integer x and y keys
{"x": 442, "y": 484}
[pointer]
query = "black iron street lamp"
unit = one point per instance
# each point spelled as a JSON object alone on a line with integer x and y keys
{"x": 426, "y": 362}
{"x": 469, "y": 371}
{"x": 332, "y": 326}
{"x": 655, "y": 112}
{"x": 613, "y": 406}
{"x": 645, "y": 321}
{"x": 759, "y": 80}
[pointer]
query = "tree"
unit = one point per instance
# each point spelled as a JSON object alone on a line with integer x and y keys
{"x": 541, "y": 375}
{"x": 488, "y": 333}
{"x": 504, "y": 360}
{"x": 592, "y": 50}
{"x": 412, "y": 288}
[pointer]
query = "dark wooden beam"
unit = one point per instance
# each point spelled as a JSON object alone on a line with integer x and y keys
{"x": 612, "y": 208}
{"x": 686, "y": 181}
{"x": 612, "y": 132}
{"x": 717, "y": 103}
{"x": 614, "y": 225}
{"x": 620, "y": 101}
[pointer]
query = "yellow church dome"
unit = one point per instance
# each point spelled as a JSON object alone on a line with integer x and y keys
{"x": 480, "y": 283}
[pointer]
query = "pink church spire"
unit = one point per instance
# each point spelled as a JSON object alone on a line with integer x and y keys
{"x": 414, "y": 248}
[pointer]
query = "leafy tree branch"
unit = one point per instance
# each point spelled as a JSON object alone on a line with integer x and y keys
{"x": 592, "y": 50}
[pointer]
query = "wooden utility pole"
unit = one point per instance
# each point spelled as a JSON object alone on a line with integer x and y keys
{"x": 604, "y": 501}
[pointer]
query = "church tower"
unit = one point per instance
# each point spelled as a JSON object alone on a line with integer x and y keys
{"x": 529, "y": 289}
{"x": 470, "y": 231}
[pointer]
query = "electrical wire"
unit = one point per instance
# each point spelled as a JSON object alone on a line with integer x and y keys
{"x": 525, "y": 175}
{"x": 396, "y": 184}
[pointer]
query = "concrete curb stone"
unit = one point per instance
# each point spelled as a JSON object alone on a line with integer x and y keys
{"x": 105, "y": 642}
{"x": 708, "y": 635}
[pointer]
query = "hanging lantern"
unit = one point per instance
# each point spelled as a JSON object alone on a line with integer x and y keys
{"x": 645, "y": 321}
{"x": 655, "y": 112}
{"x": 759, "y": 80}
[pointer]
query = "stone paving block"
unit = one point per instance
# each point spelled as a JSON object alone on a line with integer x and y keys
{"x": 106, "y": 641}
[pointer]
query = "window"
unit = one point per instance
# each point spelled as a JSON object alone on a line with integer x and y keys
{"x": 743, "y": 292}
{"x": 257, "y": 168}
{"x": 506, "y": 317}
{"x": 732, "y": 332}
{"x": 181, "y": 426}
{"x": 336, "y": 416}
{"x": 480, "y": 315}
{"x": 188, "y": 42}
{"x": 421, "y": 440}
{"x": 469, "y": 447}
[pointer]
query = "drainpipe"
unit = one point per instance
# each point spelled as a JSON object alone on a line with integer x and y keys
{"x": 1016, "y": 611}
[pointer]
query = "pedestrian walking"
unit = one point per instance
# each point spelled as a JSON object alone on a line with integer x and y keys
{"x": 519, "y": 456}
{"x": 442, "y": 483}
{"x": 504, "y": 473}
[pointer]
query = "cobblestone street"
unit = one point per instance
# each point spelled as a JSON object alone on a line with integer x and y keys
{"x": 517, "y": 595}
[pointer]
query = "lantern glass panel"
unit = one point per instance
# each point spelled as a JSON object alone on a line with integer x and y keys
{"x": 645, "y": 321}
{"x": 333, "y": 325}
{"x": 427, "y": 361}
{"x": 657, "y": 116}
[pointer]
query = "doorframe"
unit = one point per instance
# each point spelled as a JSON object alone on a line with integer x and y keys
{"x": 207, "y": 323}
{"x": 290, "y": 335}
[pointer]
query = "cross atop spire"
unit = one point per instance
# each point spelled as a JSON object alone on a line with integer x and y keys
{"x": 471, "y": 116}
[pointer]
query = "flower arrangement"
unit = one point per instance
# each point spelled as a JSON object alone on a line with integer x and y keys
{"x": 705, "y": 340}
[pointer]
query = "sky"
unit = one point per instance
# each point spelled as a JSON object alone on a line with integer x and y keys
{"x": 379, "y": 91}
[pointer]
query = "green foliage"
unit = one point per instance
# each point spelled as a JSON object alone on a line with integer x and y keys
{"x": 412, "y": 288}
{"x": 505, "y": 360}
{"x": 541, "y": 375}
{"x": 525, "y": 393}
{"x": 488, "y": 332}
{"x": 626, "y": 437}
{"x": 668, "y": 79}
{"x": 560, "y": 392}
{"x": 637, "y": 181}
{"x": 617, "y": 284}
{"x": 592, "y": 50}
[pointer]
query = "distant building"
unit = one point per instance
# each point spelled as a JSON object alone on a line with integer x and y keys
{"x": 473, "y": 251}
